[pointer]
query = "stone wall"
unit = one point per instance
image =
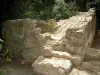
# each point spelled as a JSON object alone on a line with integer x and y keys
{"x": 32, "y": 38}
{"x": 21, "y": 36}
{"x": 79, "y": 37}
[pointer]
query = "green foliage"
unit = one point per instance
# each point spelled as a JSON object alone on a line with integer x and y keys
{"x": 0, "y": 47}
{"x": 98, "y": 1}
{"x": 62, "y": 10}
{"x": 41, "y": 9}
{"x": 5, "y": 70}
{"x": 4, "y": 55}
{"x": 29, "y": 14}
{"x": 52, "y": 25}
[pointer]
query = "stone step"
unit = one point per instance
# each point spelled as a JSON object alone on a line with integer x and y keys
{"x": 76, "y": 59}
{"x": 51, "y": 66}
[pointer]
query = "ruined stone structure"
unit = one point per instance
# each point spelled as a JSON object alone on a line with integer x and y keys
{"x": 52, "y": 49}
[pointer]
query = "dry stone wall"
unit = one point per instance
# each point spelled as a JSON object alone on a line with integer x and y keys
{"x": 21, "y": 36}
{"x": 79, "y": 37}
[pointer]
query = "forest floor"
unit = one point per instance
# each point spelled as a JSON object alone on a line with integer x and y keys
{"x": 16, "y": 67}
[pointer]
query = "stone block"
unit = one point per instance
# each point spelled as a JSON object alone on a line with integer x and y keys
{"x": 52, "y": 66}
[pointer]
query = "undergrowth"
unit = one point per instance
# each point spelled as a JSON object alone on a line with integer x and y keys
{"x": 4, "y": 57}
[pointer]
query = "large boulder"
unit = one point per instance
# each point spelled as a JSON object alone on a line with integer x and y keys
{"x": 52, "y": 66}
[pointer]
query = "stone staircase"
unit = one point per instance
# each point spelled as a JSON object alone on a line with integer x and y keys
{"x": 66, "y": 47}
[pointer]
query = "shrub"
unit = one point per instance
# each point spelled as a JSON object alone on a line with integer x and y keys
{"x": 52, "y": 25}
{"x": 62, "y": 10}
{"x": 98, "y": 1}
{"x": 42, "y": 9}
{"x": 5, "y": 70}
{"x": 3, "y": 54}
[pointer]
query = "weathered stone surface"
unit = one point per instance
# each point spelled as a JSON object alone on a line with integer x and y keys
{"x": 52, "y": 66}
{"x": 92, "y": 66}
{"x": 59, "y": 54}
{"x": 80, "y": 35}
{"x": 88, "y": 66}
{"x": 92, "y": 54}
{"x": 78, "y": 72}
{"x": 33, "y": 44}
{"x": 23, "y": 38}
{"x": 77, "y": 60}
